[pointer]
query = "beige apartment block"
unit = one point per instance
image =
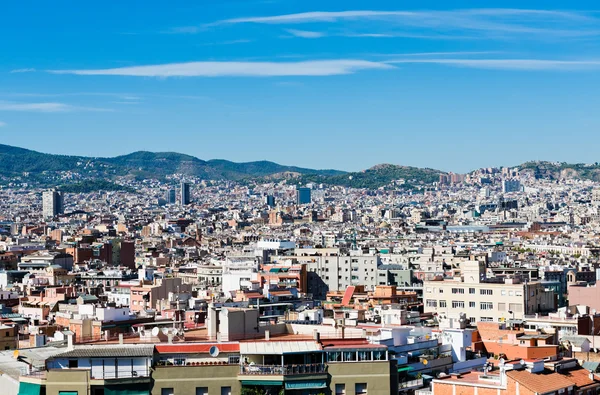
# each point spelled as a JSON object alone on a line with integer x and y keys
{"x": 485, "y": 299}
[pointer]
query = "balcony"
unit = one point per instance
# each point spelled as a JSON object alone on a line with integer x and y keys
{"x": 286, "y": 370}
{"x": 417, "y": 383}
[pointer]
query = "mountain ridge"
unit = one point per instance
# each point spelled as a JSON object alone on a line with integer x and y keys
{"x": 39, "y": 168}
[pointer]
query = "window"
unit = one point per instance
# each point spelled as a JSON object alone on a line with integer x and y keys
{"x": 442, "y": 303}
{"x": 485, "y": 292}
{"x": 73, "y": 363}
{"x": 201, "y": 390}
{"x": 225, "y": 390}
{"x": 472, "y": 305}
{"x": 349, "y": 356}
{"x": 486, "y": 306}
{"x": 428, "y": 290}
{"x": 334, "y": 356}
{"x": 472, "y": 320}
{"x": 511, "y": 293}
{"x": 472, "y": 291}
{"x": 167, "y": 391}
{"x": 364, "y": 355}
{"x": 234, "y": 359}
{"x": 515, "y": 307}
{"x": 487, "y": 319}
{"x": 378, "y": 355}
{"x": 458, "y": 304}
{"x": 360, "y": 388}
{"x": 503, "y": 292}
{"x": 340, "y": 389}
{"x": 179, "y": 362}
{"x": 518, "y": 293}
{"x": 441, "y": 290}
{"x": 431, "y": 303}
{"x": 458, "y": 290}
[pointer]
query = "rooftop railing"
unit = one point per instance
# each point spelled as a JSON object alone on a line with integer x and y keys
{"x": 285, "y": 370}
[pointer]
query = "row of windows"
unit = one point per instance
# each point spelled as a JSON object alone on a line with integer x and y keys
{"x": 359, "y": 389}
{"x": 340, "y": 389}
{"x": 355, "y": 356}
{"x": 459, "y": 304}
{"x": 472, "y": 291}
{"x": 199, "y": 391}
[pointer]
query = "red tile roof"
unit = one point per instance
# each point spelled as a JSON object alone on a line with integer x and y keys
{"x": 203, "y": 348}
{"x": 549, "y": 381}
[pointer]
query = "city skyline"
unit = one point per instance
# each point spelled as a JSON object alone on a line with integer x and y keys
{"x": 344, "y": 87}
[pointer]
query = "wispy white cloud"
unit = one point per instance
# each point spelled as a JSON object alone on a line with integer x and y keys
{"x": 448, "y": 53}
{"x": 27, "y": 70}
{"x": 239, "y": 69}
{"x": 324, "y": 16}
{"x": 45, "y": 107}
{"x": 227, "y": 42}
{"x": 305, "y": 33}
{"x": 2, "y": 124}
{"x": 498, "y": 23}
{"x": 509, "y": 64}
{"x": 376, "y": 35}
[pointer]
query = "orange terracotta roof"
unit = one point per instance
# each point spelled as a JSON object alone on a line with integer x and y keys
{"x": 543, "y": 382}
{"x": 580, "y": 377}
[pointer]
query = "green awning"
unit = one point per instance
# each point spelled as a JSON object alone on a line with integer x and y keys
{"x": 305, "y": 385}
{"x": 404, "y": 369}
{"x": 68, "y": 393}
{"x": 260, "y": 382}
{"x": 124, "y": 390}
{"x": 29, "y": 389}
{"x": 275, "y": 270}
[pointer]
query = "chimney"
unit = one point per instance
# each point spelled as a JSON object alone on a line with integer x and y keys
{"x": 267, "y": 335}
{"x": 120, "y": 338}
{"x": 316, "y": 335}
{"x": 70, "y": 342}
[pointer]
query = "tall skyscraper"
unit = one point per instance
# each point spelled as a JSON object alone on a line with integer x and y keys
{"x": 171, "y": 197}
{"x": 303, "y": 196}
{"x": 270, "y": 200}
{"x": 185, "y": 193}
{"x": 52, "y": 203}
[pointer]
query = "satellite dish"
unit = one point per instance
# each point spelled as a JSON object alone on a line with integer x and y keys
{"x": 143, "y": 333}
{"x": 214, "y": 351}
{"x": 165, "y": 331}
{"x": 522, "y": 362}
{"x": 155, "y": 331}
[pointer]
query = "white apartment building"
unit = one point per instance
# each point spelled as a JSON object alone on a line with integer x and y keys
{"x": 483, "y": 299}
{"x": 329, "y": 271}
{"x": 238, "y": 272}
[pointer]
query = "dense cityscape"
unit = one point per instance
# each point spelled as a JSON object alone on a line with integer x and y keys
{"x": 284, "y": 197}
{"x": 477, "y": 283}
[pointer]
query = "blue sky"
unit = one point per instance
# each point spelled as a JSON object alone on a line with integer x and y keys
{"x": 345, "y": 85}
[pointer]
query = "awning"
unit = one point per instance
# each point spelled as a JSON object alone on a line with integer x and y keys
{"x": 125, "y": 390}
{"x": 261, "y": 382}
{"x": 404, "y": 369}
{"x": 29, "y": 389}
{"x": 305, "y": 385}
